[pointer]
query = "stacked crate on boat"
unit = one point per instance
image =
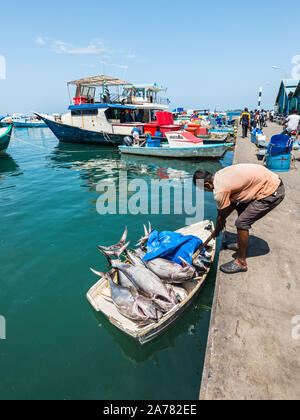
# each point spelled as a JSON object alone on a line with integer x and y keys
{"x": 165, "y": 122}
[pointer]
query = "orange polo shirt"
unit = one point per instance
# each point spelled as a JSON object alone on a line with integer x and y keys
{"x": 243, "y": 183}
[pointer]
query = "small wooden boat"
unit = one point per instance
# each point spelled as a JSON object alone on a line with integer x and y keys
{"x": 5, "y": 135}
{"x": 144, "y": 334}
{"x": 208, "y": 151}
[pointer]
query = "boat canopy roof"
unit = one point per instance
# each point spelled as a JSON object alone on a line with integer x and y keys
{"x": 101, "y": 80}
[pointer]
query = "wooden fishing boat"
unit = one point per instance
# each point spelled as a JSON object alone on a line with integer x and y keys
{"x": 144, "y": 334}
{"x": 5, "y": 135}
{"x": 208, "y": 151}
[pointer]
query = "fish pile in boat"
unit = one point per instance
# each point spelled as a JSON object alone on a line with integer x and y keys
{"x": 143, "y": 291}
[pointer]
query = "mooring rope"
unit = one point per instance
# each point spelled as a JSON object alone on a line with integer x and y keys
{"x": 14, "y": 137}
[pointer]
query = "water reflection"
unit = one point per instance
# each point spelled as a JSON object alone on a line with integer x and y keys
{"x": 137, "y": 353}
{"x": 171, "y": 167}
{"x": 9, "y": 166}
{"x": 34, "y": 133}
{"x": 98, "y": 163}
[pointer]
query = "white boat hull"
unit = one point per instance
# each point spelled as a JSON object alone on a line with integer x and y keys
{"x": 214, "y": 151}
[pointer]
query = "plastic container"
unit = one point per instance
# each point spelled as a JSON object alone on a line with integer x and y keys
{"x": 192, "y": 130}
{"x": 195, "y": 127}
{"x": 280, "y": 163}
{"x": 80, "y": 100}
{"x": 166, "y": 128}
{"x": 158, "y": 134}
{"x": 261, "y": 137}
{"x": 203, "y": 131}
{"x": 164, "y": 118}
{"x": 151, "y": 128}
{"x": 153, "y": 142}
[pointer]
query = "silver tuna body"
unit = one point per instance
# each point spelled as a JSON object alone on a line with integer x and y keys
{"x": 148, "y": 283}
{"x": 133, "y": 306}
{"x": 168, "y": 271}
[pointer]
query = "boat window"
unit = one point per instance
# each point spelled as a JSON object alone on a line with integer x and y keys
{"x": 140, "y": 93}
{"x": 92, "y": 92}
{"x": 84, "y": 91}
{"x": 84, "y": 112}
{"x": 88, "y": 92}
{"x": 120, "y": 115}
{"x": 126, "y": 92}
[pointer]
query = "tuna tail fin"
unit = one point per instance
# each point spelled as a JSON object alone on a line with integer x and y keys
{"x": 114, "y": 253}
{"x": 98, "y": 273}
{"x": 118, "y": 245}
{"x": 147, "y": 232}
{"x": 108, "y": 278}
{"x": 106, "y": 256}
{"x": 143, "y": 240}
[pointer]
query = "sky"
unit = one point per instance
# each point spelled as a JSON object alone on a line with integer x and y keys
{"x": 209, "y": 54}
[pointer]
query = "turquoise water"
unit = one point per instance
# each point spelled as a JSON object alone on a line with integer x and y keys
{"x": 57, "y": 346}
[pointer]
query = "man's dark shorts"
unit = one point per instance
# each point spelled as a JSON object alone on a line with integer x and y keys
{"x": 249, "y": 213}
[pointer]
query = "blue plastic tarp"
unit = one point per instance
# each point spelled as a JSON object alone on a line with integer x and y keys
{"x": 280, "y": 144}
{"x": 171, "y": 246}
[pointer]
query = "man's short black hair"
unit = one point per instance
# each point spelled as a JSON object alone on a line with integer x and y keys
{"x": 202, "y": 174}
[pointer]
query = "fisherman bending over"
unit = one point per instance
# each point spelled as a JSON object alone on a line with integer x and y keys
{"x": 253, "y": 191}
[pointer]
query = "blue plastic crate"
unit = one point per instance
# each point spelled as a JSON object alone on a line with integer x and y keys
{"x": 279, "y": 163}
{"x": 154, "y": 143}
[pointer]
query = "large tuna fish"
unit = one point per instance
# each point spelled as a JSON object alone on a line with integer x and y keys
{"x": 130, "y": 304}
{"x": 168, "y": 271}
{"x": 144, "y": 280}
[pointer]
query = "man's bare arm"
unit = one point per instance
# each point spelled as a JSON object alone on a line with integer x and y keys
{"x": 222, "y": 217}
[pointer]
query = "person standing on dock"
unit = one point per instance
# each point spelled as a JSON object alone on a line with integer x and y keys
{"x": 246, "y": 122}
{"x": 253, "y": 191}
{"x": 292, "y": 123}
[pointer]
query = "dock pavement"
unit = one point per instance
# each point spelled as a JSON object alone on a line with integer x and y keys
{"x": 253, "y": 350}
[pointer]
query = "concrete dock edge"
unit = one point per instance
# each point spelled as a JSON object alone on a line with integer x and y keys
{"x": 253, "y": 349}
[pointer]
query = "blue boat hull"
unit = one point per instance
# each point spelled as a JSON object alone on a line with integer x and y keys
{"x": 28, "y": 125}
{"x": 70, "y": 134}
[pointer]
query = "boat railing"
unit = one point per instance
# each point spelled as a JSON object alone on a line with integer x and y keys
{"x": 132, "y": 100}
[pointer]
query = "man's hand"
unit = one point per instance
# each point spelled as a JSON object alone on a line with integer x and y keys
{"x": 222, "y": 217}
{"x": 220, "y": 225}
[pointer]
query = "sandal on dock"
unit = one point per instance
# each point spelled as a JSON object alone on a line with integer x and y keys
{"x": 232, "y": 268}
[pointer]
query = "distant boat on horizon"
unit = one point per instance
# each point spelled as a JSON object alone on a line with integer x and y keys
{"x": 22, "y": 121}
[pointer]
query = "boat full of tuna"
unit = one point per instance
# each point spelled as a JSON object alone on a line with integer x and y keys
{"x": 145, "y": 295}
{"x": 105, "y": 109}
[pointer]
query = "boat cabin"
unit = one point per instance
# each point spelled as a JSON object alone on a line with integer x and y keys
{"x": 145, "y": 95}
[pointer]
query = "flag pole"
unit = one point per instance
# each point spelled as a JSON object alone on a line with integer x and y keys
{"x": 259, "y": 99}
